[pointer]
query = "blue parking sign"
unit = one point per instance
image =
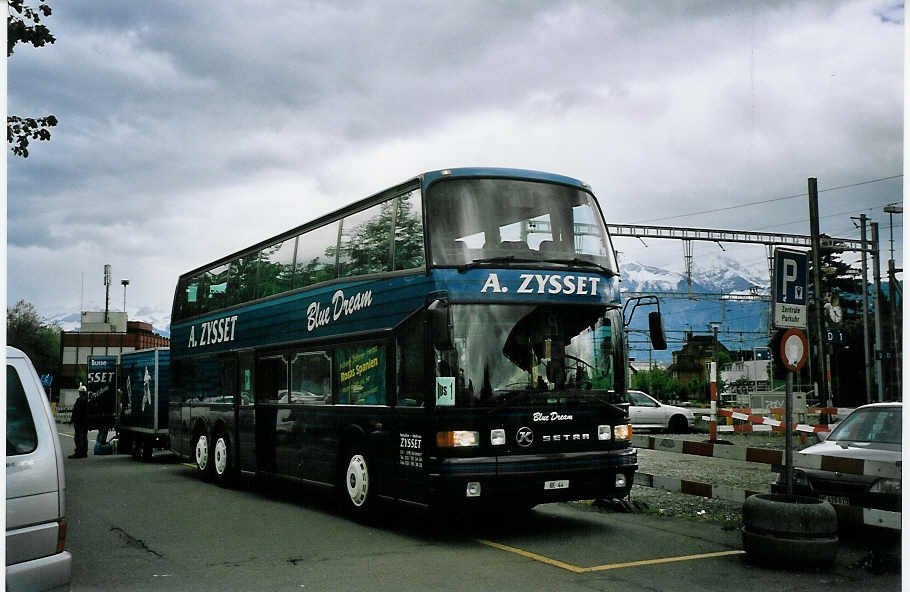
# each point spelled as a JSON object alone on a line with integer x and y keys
{"x": 791, "y": 287}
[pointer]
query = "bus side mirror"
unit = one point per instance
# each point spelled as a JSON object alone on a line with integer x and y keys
{"x": 656, "y": 328}
{"x": 441, "y": 324}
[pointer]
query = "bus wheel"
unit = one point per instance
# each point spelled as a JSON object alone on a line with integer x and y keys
{"x": 221, "y": 461}
{"x": 356, "y": 487}
{"x": 202, "y": 454}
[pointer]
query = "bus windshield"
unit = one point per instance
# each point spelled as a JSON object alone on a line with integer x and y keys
{"x": 475, "y": 221}
{"x": 548, "y": 352}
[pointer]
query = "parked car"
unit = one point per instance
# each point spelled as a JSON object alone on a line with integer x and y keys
{"x": 35, "y": 485}
{"x": 872, "y": 432}
{"x": 647, "y": 412}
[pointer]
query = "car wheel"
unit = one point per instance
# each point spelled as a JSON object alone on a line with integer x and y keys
{"x": 678, "y": 425}
{"x": 221, "y": 460}
{"x": 201, "y": 453}
{"x": 357, "y": 482}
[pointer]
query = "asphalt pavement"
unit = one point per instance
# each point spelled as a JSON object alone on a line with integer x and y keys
{"x": 158, "y": 526}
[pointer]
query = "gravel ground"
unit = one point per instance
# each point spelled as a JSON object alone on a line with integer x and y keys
{"x": 715, "y": 471}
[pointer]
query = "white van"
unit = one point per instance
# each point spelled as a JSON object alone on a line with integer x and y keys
{"x": 35, "y": 486}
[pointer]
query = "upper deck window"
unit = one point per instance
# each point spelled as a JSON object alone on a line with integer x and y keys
{"x": 492, "y": 220}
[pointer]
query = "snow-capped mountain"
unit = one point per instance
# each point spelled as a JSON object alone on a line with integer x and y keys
{"x": 730, "y": 276}
{"x": 646, "y": 278}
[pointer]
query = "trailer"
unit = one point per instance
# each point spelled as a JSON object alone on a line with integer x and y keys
{"x": 144, "y": 379}
{"x": 100, "y": 405}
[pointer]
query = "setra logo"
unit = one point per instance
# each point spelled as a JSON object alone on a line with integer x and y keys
{"x": 524, "y": 437}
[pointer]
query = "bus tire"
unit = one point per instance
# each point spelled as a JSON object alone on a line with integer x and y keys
{"x": 136, "y": 448}
{"x": 147, "y": 449}
{"x": 221, "y": 460}
{"x": 357, "y": 482}
{"x": 202, "y": 454}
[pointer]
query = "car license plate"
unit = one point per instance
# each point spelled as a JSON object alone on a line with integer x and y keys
{"x": 837, "y": 499}
{"x": 561, "y": 484}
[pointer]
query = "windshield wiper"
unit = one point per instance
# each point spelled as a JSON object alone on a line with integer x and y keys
{"x": 506, "y": 259}
{"x": 513, "y": 259}
{"x": 578, "y": 261}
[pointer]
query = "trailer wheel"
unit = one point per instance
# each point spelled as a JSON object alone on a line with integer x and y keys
{"x": 357, "y": 482}
{"x": 124, "y": 443}
{"x": 221, "y": 460}
{"x": 201, "y": 453}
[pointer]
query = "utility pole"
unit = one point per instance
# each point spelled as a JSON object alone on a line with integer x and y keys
{"x": 877, "y": 275}
{"x": 893, "y": 290}
{"x": 868, "y": 357}
{"x": 816, "y": 280}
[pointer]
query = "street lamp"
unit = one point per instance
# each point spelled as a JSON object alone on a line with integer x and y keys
{"x": 124, "y": 282}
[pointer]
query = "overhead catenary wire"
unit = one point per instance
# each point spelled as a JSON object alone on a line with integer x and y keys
{"x": 767, "y": 201}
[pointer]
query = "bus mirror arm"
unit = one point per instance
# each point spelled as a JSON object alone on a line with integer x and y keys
{"x": 655, "y": 320}
{"x": 441, "y": 324}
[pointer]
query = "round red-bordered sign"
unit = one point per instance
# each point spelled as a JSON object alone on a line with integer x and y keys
{"x": 794, "y": 349}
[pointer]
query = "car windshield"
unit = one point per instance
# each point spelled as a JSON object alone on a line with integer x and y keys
{"x": 479, "y": 221}
{"x": 546, "y": 352}
{"x": 873, "y": 424}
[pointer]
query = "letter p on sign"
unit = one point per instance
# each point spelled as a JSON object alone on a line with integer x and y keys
{"x": 789, "y": 273}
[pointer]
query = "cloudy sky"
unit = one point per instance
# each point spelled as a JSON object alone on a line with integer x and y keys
{"x": 191, "y": 130}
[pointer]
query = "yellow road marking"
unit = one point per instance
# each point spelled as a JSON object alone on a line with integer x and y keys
{"x": 579, "y": 570}
{"x": 534, "y": 556}
{"x": 190, "y": 465}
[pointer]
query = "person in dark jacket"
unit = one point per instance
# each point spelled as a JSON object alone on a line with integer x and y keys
{"x": 80, "y": 424}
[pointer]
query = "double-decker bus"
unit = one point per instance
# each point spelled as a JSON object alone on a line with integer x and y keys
{"x": 456, "y": 339}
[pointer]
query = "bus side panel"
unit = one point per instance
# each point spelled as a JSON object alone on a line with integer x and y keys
{"x": 179, "y": 428}
{"x": 408, "y": 453}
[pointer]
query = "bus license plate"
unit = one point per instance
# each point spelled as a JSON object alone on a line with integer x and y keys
{"x": 561, "y": 484}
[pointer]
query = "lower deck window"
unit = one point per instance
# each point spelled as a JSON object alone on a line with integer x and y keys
{"x": 361, "y": 375}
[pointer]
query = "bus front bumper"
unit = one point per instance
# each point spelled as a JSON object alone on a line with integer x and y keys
{"x": 533, "y": 478}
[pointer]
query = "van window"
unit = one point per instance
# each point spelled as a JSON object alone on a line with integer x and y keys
{"x": 21, "y": 437}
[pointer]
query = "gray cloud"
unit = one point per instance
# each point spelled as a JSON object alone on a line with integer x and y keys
{"x": 190, "y": 130}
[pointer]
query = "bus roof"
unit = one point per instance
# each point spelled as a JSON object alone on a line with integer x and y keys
{"x": 433, "y": 176}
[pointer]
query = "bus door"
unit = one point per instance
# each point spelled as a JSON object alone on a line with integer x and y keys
{"x": 310, "y": 447}
{"x": 270, "y": 386}
{"x": 246, "y": 414}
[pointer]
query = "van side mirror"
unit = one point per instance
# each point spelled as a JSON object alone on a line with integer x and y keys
{"x": 656, "y": 329}
{"x": 441, "y": 324}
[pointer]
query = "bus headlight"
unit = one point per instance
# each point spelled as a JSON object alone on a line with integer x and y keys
{"x": 622, "y": 432}
{"x": 498, "y": 437}
{"x": 457, "y": 439}
{"x": 603, "y": 432}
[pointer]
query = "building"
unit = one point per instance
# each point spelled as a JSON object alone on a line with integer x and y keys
{"x": 689, "y": 362}
{"x": 101, "y": 334}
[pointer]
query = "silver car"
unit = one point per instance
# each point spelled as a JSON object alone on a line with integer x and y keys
{"x": 647, "y": 412}
{"x": 872, "y": 432}
{"x": 35, "y": 522}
